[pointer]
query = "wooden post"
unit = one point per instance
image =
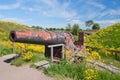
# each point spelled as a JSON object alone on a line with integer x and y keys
{"x": 12, "y": 47}
{"x": 62, "y": 52}
{"x": 51, "y": 54}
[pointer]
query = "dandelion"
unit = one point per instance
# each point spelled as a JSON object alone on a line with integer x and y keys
{"x": 27, "y": 56}
{"x": 89, "y": 74}
{"x": 93, "y": 56}
{"x": 111, "y": 63}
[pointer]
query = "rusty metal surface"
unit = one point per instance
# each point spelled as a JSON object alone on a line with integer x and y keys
{"x": 81, "y": 38}
{"x": 40, "y": 37}
{"x": 80, "y": 41}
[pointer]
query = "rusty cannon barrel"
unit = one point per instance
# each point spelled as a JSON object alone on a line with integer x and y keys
{"x": 40, "y": 37}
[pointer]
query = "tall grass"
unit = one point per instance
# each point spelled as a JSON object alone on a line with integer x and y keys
{"x": 66, "y": 70}
{"x": 105, "y": 75}
{"x": 76, "y": 72}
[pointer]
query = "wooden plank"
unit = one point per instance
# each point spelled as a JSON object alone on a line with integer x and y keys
{"x": 110, "y": 68}
{"x": 43, "y": 64}
{"x": 10, "y": 56}
{"x": 55, "y": 45}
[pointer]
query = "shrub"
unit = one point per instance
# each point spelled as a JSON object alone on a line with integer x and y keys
{"x": 27, "y": 56}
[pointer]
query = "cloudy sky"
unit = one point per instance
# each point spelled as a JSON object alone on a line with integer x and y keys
{"x": 58, "y": 13}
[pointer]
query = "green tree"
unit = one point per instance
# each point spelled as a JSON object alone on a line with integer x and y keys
{"x": 95, "y": 26}
{"x": 37, "y": 27}
{"x": 33, "y": 26}
{"x": 68, "y": 27}
{"x": 75, "y": 29}
{"x": 61, "y": 29}
{"x": 89, "y": 23}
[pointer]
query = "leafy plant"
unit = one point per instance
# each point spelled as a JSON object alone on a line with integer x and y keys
{"x": 27, "y": 56}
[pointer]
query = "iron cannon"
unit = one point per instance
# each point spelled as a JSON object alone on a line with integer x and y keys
{"x": 46, "y": 38}
{"x": 40, "y": 37}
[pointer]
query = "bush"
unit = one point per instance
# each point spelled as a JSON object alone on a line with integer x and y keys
{"x": 27, "y": 56}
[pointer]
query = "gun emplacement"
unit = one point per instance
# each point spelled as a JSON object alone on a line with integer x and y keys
{"x": 46, "y": 38}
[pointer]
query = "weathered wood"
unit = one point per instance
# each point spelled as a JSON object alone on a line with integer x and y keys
{"x": 56, "y": 45}
{"x": 110, "y": 68}
{"x": 12, "y": 47}
{"x": 62, "y": 52}
{"x": 51, "y": 54}
{"x": 43, "y": 64}
{"x": 10, "y": 56}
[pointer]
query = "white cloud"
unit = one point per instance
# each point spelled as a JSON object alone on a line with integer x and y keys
{"x": 114, "y": 12}
{"x": 77, "y": 22}
{"x": 101, "y": 22}
{"x": 108, "y": 22}
{"x": 96, "y": 4}
{"x": 51, "y": 3}
{"x": 14, "y": 19}
{"x": 111, "y": 13}
{"x": 10, "y": 6}
{"x": 52, "y": 8}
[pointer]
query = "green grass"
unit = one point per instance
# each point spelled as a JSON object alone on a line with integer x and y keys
{"x": 19, "y": 61}
{"x": 64, "y": 69}
{"x": 105, "y": 75}
{"x": 110, "y": 59}
{"x": 5, "y": 50}
{"x": 108, "y": 37}
{"x": 75, "y": 37}
{"x": 76, "y": 72}
{"x": 6, "y": 27}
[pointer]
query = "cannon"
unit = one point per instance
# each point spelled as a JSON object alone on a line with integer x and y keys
{"x": 46, "y": 38}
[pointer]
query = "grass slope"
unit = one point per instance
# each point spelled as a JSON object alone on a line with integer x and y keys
{"x": 108, "y": 37}
{"x": 6, "y": 27}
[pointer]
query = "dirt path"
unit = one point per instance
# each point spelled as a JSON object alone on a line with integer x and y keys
{"x": 8, "y": 72}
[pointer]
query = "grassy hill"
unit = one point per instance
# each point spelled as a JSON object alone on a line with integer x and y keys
{"x": 108, "y": 37}
{"x": 6, "y": 27}
{"x": 6, "y": 44}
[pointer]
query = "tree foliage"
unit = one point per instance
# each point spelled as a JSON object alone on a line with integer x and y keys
{"x": 37, "y": 27}
{"x": 75, "y": 29}
{"x": 51, "y": 29}
{"x": 95, "y": 26}
{"x": 89, "y": 23}
{"x": 68, "y": 27}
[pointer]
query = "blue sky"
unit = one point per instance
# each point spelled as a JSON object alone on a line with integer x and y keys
{"x": 58, "y": 13}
